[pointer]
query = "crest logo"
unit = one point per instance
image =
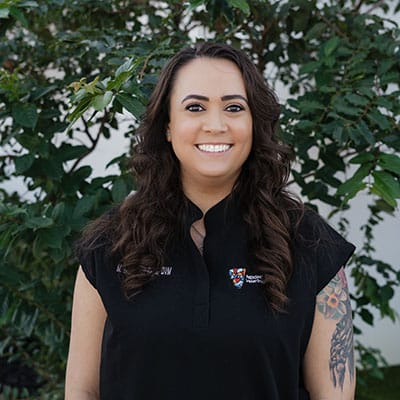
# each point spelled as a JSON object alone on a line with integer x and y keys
{"x": 237, "y": 276}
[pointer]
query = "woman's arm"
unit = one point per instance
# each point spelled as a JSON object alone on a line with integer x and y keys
{"x": 88, "y": 318}
{"x": 329, "y": 370}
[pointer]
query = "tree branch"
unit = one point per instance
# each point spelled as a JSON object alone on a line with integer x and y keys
{"x": 87, "y": 131}
{"x": 332, "y": 26}
{"x": 143, "y": 69}
{"x": 358, "y": 6}
{"x": 94, "y": 141}
{"x": 304, "y": 177}
{"x": 375, "y": 6}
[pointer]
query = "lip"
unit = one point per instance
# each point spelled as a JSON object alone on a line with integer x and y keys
{"x": 214, "y": 144}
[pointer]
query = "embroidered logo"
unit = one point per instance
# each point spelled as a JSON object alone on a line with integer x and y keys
{"x": 254, "y": 279}
{"x": 120, "y": 269}
{"x": 166, "y": 271}
{"x": 237, "y": 276}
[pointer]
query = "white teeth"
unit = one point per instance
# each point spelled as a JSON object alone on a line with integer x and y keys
{"x": 214, "y": 148}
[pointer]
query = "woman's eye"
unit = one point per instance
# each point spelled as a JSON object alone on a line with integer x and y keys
{"x": 234, "y": 108}
{"x": 195, "y": 107}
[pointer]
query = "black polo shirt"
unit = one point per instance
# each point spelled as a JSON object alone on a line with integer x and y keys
{"x": 202, "y": 329}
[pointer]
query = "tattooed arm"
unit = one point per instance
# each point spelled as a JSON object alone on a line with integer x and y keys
{"x": 329, "y": 372}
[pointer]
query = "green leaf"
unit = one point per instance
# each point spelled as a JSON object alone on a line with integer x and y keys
{"x": 25, "y": 115}
{"x": 378, "y": 190}
{"x": 343, "y": 108}
{"x": 119, "y": 190}
{"x": 367, "y": 316}
{"x": 131, "y": 104}
{"x": 42, "y": 91}
{"x": 68, "y": 152}
{"x": 337, "y": 134}
{"x": 355, "y": 181}
{"x": 387, "y": 186}
{"x": 379, "y": 119}
{"x": 39, "y": 222}
{"x": 101, "y": 101}
{"x": 28, "y": 3}
{"x": 362, "y": 158}
{"x": 390, "y": 77}
{"x": 196, "y": 3}
{"x": 4, "y": 12}
{"x": 53, "y": 168}
{"x": 367, "y": 92}
{"x": 387, "y": 293}
{"x": 58, "y": 211}
{"x": 23, "y": 163}
{"x": 125, "y": 67}
{"x": 53, "y": 237}
{"x": 83, "y": 172}
{"x": 331, "y": 45}
{"x": 309, "y": 67}
{"x": 19, "y": 16}
{"x": 242, "y": 5}
{"x": 356, "y": 99}
{"x": 83, "y": 206}
{"x": 80, "y": 109}
{"x": 390, "y": 162}
{"x": 385, "y": 65}
{"x": 307, "y": 106}
{"x": 315, "y": 31}
{"x": 365, "y": 132}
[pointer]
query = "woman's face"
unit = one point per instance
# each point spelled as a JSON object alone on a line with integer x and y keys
{"x": 210, "y": 126}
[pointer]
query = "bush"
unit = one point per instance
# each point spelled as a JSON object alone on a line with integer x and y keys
{"x": 70, "y": 71}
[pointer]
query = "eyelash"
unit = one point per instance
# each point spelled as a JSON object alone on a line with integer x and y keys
{"x": 238, "y": 107}
{"x": 191, "y": 107}
{"x": 198, "y": 108}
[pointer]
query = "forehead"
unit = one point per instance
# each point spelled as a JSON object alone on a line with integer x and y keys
{"x": 209, "y": 76}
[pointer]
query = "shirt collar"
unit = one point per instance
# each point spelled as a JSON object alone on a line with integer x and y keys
{"x": 218, "y": 215}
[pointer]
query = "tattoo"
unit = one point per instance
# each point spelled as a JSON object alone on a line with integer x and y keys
{"x": 334, "y": 303}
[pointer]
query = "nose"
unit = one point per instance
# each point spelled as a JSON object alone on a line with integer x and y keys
{"x": 214, "y": 122}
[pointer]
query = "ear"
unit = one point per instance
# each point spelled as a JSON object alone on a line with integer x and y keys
{"x": 168, "y": 134}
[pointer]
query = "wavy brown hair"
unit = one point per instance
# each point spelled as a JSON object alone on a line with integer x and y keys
{"x": 147, "y": 223}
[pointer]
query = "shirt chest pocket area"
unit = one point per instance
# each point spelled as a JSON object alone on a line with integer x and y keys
{"x": 162, "y": 302}
{"x": 258, "y": 322}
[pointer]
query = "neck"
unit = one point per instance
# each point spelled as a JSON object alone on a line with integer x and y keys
{"x": 206, "y": 197}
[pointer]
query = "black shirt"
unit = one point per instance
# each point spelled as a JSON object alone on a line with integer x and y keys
{"x": 202, "y": 329}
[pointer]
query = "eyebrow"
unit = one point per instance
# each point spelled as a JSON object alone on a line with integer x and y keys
{"x": 223, "y": 98}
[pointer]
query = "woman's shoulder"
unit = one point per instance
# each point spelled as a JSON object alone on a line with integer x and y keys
{"x": 316, "y": 237}
{"x": 96, "y": 243}
{"x": 98, "y": 233}
{"x": 313, "y": 228}
{"x": 320, "y": 248}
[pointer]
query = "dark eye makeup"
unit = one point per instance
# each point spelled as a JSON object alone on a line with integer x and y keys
{"x": 194, "y": 107}
{"x": 234, "y": 108}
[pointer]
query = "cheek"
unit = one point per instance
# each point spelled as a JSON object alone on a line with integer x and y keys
{"x": 245, "y": 133}
{"x": 183, "y": 129}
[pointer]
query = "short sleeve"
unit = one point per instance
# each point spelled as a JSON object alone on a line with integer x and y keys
{"x": 92, "y": 251}
{"x": 87, "y": 261}
{"x": 331, "y": 251}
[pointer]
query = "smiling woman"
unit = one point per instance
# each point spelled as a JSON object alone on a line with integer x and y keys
{"x": 211, "y": 130}
{"x": 212, "y": 281}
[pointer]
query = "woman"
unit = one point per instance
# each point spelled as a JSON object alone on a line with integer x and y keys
{"x": 211, "y": 281}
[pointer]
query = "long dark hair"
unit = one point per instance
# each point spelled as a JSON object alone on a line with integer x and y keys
{"x": 147, "y": 222}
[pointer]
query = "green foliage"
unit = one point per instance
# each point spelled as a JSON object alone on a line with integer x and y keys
{"x": 374, "y": 388}
{"x": 70, "y": 72}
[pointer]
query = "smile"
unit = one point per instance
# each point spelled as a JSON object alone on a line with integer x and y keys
{"x": 214, "y": 148}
